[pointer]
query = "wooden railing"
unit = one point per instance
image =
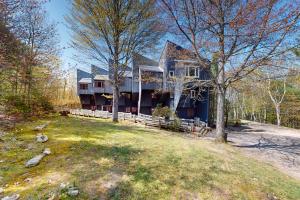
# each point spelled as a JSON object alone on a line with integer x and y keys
{"x": 186, "y": 125}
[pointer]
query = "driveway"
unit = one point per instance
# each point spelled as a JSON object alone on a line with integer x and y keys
{"x": 277, "y": 146}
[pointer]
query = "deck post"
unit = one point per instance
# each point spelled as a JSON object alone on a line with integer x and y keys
{"x": 140, "y": 90}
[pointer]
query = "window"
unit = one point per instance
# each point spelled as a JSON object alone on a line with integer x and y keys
{"x": 192, "y": 71}
{"x": 193, "y": 93}
{"x": 171, "y": 73}
{"x": 99, "y": 84}
{"x": 83, "y": 86}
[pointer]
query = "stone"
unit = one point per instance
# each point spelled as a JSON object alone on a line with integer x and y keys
{"x": 40, "y": 127}
{"x": 12, "y": 197}
{"x": 63, "y": 185}
{"x": 1, "y": 190}
{"x": 27, "y": 180}
{"x": 1, "y": 161}
{"x": 47, "y": 151}
{"x": 72, "y": 191}
{"x": 41, "y": 138}
{"x": 34, "y": 161}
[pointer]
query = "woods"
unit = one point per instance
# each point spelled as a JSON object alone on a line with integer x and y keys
{"x": 31, "y": 78}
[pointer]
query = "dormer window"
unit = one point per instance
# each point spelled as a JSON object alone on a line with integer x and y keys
{"x": 192, "y": 72}
{"x": 83, "y": 86}
{"x": 171, "y": 73}
{"x": 99, "y": 84}
{"x": 193, "y": 94}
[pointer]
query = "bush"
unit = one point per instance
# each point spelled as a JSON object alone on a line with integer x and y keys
{"x": 166, "y": 113}
{"x": 15, "y": 104}
{"x": 160, "y": 111}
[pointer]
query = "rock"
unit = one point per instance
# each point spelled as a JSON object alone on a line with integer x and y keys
{"x": 1, "y": 190}
{"x": 72, "y": 191}
{"x": 41, "y": 138}
{"x": 40, "y": 127}
{"x": 12, "y": 197}
{"x": 47, "y": 151}
{"x": 1, "y": 161}
{"x": 34, "y": 161}
{"x": 63, "y": 185}
{"x": 27, "y": 180}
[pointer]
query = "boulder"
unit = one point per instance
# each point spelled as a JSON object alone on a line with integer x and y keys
{"x": 40, "y": 127}
{"x": 73, "y": 191}
{"x": 41, "y": 138}
{"x": 12, "y": 197}
{"x": 1, "y": 190}
{"x": 47, "y": 151}
{"x": 35, "y": 160}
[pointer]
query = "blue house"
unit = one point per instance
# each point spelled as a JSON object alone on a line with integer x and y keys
{"x": 176, "y": 81}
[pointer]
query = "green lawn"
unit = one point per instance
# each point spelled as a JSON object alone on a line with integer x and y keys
{"x": 129, "y": 161}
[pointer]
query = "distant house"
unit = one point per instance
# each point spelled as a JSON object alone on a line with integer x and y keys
{"x": 147, "y": 83}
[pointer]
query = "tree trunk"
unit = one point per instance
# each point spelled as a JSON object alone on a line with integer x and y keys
{"x": 115, "y": 107}
{"x": 220, "y": 126}
{"x": 278, "y": 114}
{"x": 221, "y": 135}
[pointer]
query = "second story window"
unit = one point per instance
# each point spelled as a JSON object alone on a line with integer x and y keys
{"x": 83, "y": 86}
{"x": 171, "y": 73}
{"x": 192, "y": 71}
{"x": 99, "y": 84}
{"x": 193, "y": 94}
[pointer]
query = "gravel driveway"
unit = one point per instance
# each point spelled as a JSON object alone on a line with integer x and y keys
{"x": 277, "y": 146}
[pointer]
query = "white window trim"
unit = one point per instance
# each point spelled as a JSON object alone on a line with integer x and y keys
{"x": 173, "y": 72}
{"x": 193, "y": 93}
{"x": 187, "y": 71}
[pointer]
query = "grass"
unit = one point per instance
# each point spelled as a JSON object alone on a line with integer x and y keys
{"x": 129, "y": 161}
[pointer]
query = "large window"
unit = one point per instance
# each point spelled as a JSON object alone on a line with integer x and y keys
{"x": 83, "y": 86}
{"x": 192, "y": 71}
{"x": 99, "y": 84}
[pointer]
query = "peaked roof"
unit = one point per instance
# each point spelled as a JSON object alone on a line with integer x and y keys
{"x": 178, "y": 52}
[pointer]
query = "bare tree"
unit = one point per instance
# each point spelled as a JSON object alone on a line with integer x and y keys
{"x": 111, "y": 31}
{"x": 243, "y": 34}
{"x": 277, "y": 93}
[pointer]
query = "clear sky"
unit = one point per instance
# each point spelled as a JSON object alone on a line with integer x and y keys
{"x": 57, "y": 10}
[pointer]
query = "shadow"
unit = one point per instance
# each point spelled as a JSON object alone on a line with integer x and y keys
{"x": 243, "y": 129}
{"x": 292, "y": 147}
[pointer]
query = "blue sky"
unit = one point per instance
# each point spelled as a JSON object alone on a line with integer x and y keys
{"x": 57, "y": 10}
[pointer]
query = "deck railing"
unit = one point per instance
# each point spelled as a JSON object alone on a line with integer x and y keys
{"x": 186, "y": 125}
